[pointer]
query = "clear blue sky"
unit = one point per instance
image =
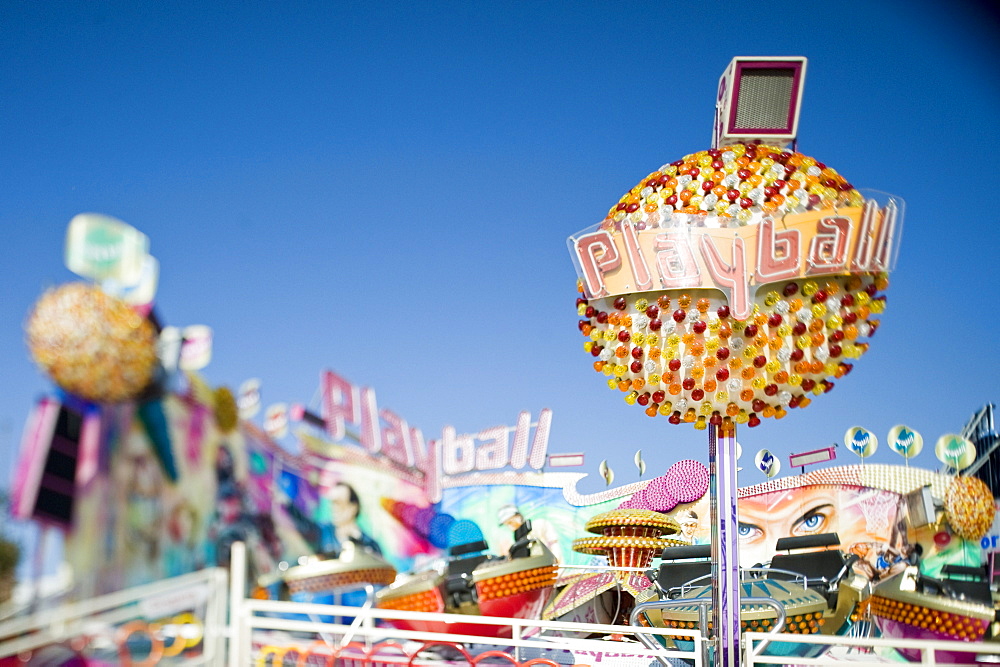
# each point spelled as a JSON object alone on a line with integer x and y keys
{"x": 385, "y": 189}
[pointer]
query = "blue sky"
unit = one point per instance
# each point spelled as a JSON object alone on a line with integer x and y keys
{"x": 386, "y": 189}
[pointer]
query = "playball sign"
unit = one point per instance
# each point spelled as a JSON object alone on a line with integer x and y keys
{"x": 734, "y": 284}
{"x": 351, "y": 415}
{"x": 735, "y": 261}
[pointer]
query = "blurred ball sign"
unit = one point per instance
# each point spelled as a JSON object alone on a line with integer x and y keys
{"x": 861, "y": 441}
{"x": 767, "y": 463}
{"x": 249, "y": 398}
{"x": 196, "y": 347}
{"x": 276, "y": 420}
{"x": 955, "y": 451}
{"x": 142, "y": 292}
{"x": 905, "y": 441}
{"x": 101, "y": 248}
{"x": 91, "y": 344}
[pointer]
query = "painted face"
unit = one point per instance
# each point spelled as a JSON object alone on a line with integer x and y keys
{"x": 345, "y": 512}
{"x": 766, "y": 518}
{"x": 514, "y": 522}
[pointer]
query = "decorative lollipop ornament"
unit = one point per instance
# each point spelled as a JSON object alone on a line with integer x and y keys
{"x": 606, "y": 473}
{"x": 767, "y": 463}
{"x": 861, "y": 441}
{"x": 640, "y": 464}
{"x": 905, "y": 441}
{"x": 954, "y": 451}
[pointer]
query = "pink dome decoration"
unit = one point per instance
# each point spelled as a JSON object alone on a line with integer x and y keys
{"x": 688, "y": 480}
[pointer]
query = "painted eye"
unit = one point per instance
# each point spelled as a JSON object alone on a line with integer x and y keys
{"x": 748, "y": 531}
{"x": 812, "y": 522}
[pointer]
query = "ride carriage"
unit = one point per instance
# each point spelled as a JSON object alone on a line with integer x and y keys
{"x": 810, "y": 588}
{"x": 958, "y": 606}
{"x": 474, "y": 582}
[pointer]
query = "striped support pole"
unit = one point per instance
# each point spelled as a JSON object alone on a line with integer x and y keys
{"x": 725, "y": 545}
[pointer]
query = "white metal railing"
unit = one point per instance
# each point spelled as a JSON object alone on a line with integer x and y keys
{"x": 167, "y": 613}
{"x": 853, "y": 649}
{"x": 261, "y": 634}
{"x": 265, "y": 633}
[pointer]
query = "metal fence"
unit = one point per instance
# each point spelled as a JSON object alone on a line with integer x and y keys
{"x": 181, "y": 620}
{"x": 271, "y": 633}
{"x": 860, "y": 651}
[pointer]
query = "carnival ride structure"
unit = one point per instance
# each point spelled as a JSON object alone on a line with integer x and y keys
{"x": 729, "y": 286}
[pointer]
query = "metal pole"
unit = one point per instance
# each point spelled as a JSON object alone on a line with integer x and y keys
{"x": 39, "y": 568}
{"x": 237, "y": 592}
{"x": 725, "y": 545}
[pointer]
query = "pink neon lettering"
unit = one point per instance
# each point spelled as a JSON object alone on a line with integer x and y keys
{"x": 886, "y": 234}
{"x": 339, "y": 405}
{"x": 395, "y": 444}
{"x": 731, "y": 278}
{"x": 640, "y": 272}
{"x": 597, "y": 255}
{"x": 492, "y": 453}
{"x": 519, "y": 452}
{"x": 777, "y": 253}
{"x": 418, "y": 448}
{"x": 540, "y": 443}
{"x": 863, "y": 249}
{"x": 675, "y": 261}
{"x": 828, "y": 250}
{"x": 432, "y": 471}
{"x": 458, "y": 452}
{"x": 370, "y": 436}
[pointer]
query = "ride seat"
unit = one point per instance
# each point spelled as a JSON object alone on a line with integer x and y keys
{"x": 971, "y": 583}
{"x": 822, "y": 569}
{"x": 465, "y": 558}
{"x": 522, "y": 542}
{"x": 679, "y": 565}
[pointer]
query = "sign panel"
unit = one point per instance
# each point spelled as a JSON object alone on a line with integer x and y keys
{"x": 384, "y": 434}
{"x": 810, "y": 458}
{"x": 100, "y": 247}
{"x": 196, "y": 347}
{"x": 565, "y": 460}
{"x": 143, "y": 291}
{"x": 248, "y": 398}
{"x": 276, "y": 420}
{"x": 683, "y": 252}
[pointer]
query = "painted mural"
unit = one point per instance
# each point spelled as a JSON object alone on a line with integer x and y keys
{"x": 168, "y": 485}
{"x": 134, "y": 524}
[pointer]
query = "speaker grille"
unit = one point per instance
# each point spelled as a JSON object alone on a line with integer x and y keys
{"x": 765, "y": 97}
